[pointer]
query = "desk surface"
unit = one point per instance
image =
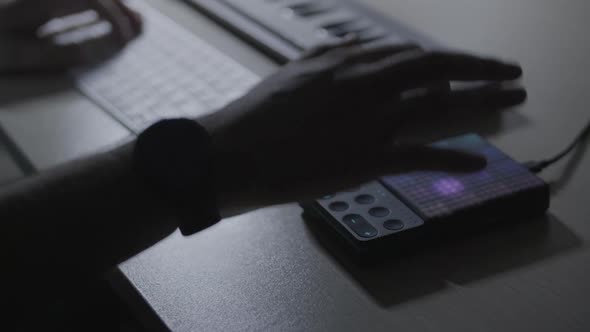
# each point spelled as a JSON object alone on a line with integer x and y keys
{"x": 269, "y": 270}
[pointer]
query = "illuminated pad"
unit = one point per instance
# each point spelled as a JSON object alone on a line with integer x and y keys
{"x": 436, "y": 195}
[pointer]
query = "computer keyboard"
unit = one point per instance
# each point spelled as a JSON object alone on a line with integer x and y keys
{"x": 167, "y": 72}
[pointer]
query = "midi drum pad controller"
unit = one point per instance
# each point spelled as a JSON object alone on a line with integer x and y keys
{"x": 401, "y": 208}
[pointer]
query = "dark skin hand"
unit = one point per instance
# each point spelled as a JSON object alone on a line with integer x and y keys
{"x": 328, "y": 121}
{"x": 27, "y": 47}
{"x": 289, "y": 139}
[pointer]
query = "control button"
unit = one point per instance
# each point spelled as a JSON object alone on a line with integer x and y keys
{"x": 379, "y": 212}
{"x": 338, "y": 206}
{"x": 360, "y": 226}
{"x": 365, "y": 199}
{"x": 327, "y": 197}
{"x": 394, "y": 224}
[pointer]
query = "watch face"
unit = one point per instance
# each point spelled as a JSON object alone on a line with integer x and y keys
{"x": 175, "y": 154}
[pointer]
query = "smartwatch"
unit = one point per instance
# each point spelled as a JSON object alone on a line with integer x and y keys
{"x": 175, "y": 157}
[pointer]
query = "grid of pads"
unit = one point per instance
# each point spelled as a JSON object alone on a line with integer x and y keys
{"x": 439, "y": 194}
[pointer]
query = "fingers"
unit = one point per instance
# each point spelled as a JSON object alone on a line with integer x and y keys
{"x": 430, "y": 158}
{"x": 134, "y": 17}
{"x": 75, "y": 41}
{"x": 414, "y": 69}
{"x": 372, "y": 53}
{"x": 491, "y": 96}
{"x": 333, "y": 58}
{"x": 118, "y": 15}
{"x": 397, "y": 68}
{"x": 101, "y": 40}
{"x": 439, "y": 111}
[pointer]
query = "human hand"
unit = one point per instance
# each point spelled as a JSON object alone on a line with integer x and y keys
{"x": 54, "y": 35}
{"x": 327, "y": 122}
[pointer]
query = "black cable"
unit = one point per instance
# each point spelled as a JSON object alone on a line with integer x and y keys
{"x": 538, "y": 166}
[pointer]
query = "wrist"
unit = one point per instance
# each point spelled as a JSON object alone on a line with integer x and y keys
{"x": 121, "y": 160}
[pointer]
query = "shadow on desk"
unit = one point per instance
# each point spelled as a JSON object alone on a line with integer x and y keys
{"x": 406, "y": 277}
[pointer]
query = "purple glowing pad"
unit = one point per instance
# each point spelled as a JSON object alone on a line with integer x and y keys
{"x": 439, "y": 194}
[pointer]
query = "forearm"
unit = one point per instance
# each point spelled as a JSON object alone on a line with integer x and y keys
{"x": 81, "y": 218}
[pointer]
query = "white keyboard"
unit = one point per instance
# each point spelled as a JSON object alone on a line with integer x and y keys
{"x": 167, "y": 72}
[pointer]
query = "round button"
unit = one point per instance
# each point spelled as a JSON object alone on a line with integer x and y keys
{"x": 365, "y": 199}
{"x": 394, "y": 224}
{"x": 379, "y": 212}
{"x": 338, "y": 206}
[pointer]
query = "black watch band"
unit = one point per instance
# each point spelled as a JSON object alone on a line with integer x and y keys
{"x": 175, "y": 157}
